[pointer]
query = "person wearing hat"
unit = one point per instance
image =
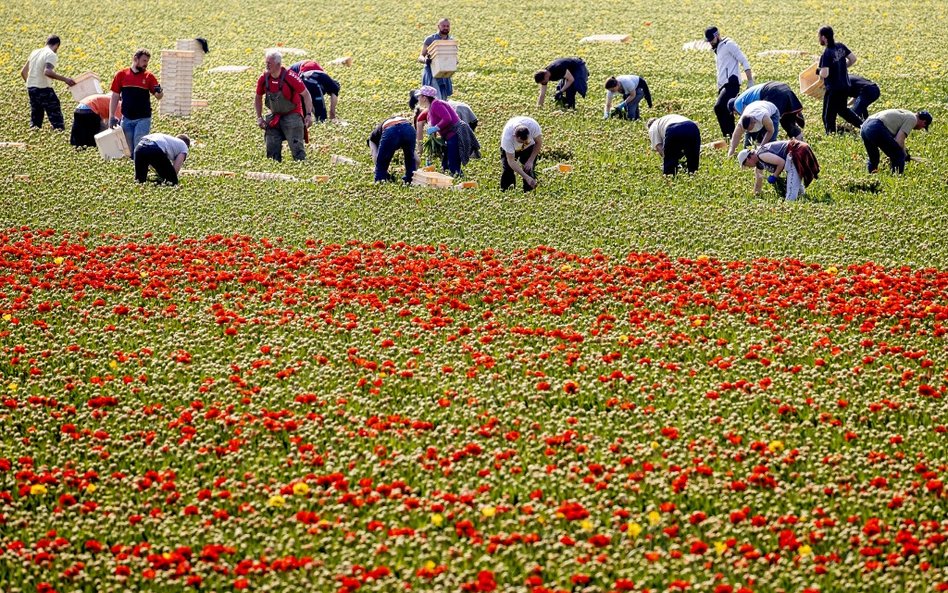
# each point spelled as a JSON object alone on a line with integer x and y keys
{"x": 573, "y": 77}
{"x": 464, "y": 110}
{"x": 39, "y": 72}
{"x": 520, "y": 144}
{"x": 887, "y": 131}
{"x": 460, "y": 144}
{"x": 783, "y": 97}
{"x": 759, "y": 120}
{"x": 444, "y": 85}
{"x": 730, "y": 60}
{"x": 633, "y": 89}
{"x": 674, "y": 137}
{"x": 834, "y": 70}
{"x": 864, "y": 93}
{"x": 164, "y": 153}
{"x": 393, "y": 134}
{"x": 792, "y": 156}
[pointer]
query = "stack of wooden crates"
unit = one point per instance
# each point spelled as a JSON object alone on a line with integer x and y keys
{"x": 177, "y": 81}
{"x": 444, "y": 57}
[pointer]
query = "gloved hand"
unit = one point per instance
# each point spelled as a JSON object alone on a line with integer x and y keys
{"x": 431, "y": 130}
{"x": 157, "y": 89}
{"x": 113, "y": 122}
{"x": 772, "y": 179}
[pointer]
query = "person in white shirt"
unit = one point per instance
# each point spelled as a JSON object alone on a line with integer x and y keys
{"x": 759, "y": 120}
{"x": 673, "y": 137}
{"x": 164, "y": 153}
{"x": 633, "y": 89}
{"x": 730, "y": 60}
{"x": 520, "y": 143}
{"x": 38, "y": 72}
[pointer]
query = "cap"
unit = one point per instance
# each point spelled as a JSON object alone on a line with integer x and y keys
{"x": 428, "y": 91}
{"x": 730, "y": 105}
{"x": 742, "y": 156}
{"x": 925, "y": 117}
{"x": 710, "y": 32}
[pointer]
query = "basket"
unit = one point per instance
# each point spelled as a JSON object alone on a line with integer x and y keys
{"x": 811, "y": 84}
{"x": 444, "y": 58}
{"x": 86, "y": 84}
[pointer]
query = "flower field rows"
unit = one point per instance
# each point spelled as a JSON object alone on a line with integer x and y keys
{"x": 231, "y": 413}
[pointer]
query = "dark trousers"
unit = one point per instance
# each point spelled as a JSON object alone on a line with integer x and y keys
{"x": 876, "y": 137}
{"x": 567, "y": 97}
{"x": 451, "y": 159}
{"x": 289, "y": 128}
{"x": 85, "y": 125}
{"x": 864, "y": 99}
{"x": 508, "y": 178}
{"x": 836, "y": 103}
{"x": 792, "y": 124}
{"x": 150, "y": 155}
{"x": 725, "y": 117}
{"x": 45, "y": 101}
{"x": 681, "y": 140}
{"x": 400, "y": 136}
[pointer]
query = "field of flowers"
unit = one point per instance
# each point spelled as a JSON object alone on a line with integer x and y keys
{"x": 620, "y": 382}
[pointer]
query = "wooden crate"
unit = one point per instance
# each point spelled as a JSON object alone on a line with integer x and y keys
{"x": 444, "y": 58}
{"x": 191, "y": 45}
{"x": 605, "y": 39}
{"x": 811, "y": 84}
{"x": 431, "y": 179}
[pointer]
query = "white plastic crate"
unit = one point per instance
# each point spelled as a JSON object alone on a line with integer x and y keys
{"x": 86, "y": 84}
{"x": 112, "y": 144}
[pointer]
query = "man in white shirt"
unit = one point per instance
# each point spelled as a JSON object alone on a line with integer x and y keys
{"x": 673, "y": 137}
{"x": 730, "y": 60}
{"x": 39, "y": 72}
{"x": 759, "y": 121}
{"x": 520, "y": 143}
{"x": 162, "y": 152}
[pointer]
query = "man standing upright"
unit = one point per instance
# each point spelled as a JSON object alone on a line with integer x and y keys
{"x": 444, "y": 85}
{"x": 38, "y": 72}
{"x": 834, "y": 70}
{"x": 134, "y": 86}
{"x": 285, "y": 94}
{"x": 730, "y": 60}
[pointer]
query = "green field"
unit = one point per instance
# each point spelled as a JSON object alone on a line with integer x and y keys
{"x": 620, "y": 381}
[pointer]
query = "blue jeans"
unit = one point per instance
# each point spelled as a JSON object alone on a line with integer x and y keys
{"x": 398, "y": 136}
{"x": 134, "y": 130}
{"x": 631, "y": 109}
{"x": 875, "y": 136}
{"x": 451, "y": 159}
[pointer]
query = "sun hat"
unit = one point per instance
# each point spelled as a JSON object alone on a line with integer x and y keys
{"x": 742, "y": 156}
{"x": 428, "y": 91}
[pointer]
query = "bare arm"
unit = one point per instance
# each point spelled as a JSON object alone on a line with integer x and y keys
{"x": 900, "y": 139}
{"x": 850, "y": 59}
{"x": 25, "y": 71}
{"x": 758, "y": 180}
{"x": 537, "y": 145}
{"x": 776, "y": 161}
{"x": 568, "y": 80}
{"x": 542, "y": 95}
{"x": 423, "y": 57}
{"x": 178, "y": 161}
{"x": 770, "y": 134}
{"x": 750, "y": 77}
{"x": 333, "y": 99}
{"x": 823, "y": 72}
{"x": 257, "y": 105}
{"x": 50, "y": 73}
{"x": 307, "y": 105}
{"x": 736, "y": 138}
{"x": 660, "y": 149}
{"x": 419, "y": 137}
{"x": 608, "y": 103}
{"x": 514, "y": 164}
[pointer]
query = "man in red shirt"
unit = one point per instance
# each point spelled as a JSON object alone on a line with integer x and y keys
{"x": 285, "y": 95}
{"x": 134, "y": 86}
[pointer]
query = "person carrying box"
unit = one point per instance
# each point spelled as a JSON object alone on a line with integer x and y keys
{"x": 444, "y": 85}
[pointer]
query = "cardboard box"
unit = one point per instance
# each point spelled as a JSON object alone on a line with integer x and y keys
{"x": 112, "y": 144}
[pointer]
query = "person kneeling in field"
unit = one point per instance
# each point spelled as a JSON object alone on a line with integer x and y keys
{"x": 887, "y": 130}
{"x": 783, "y": 98}
{"x": 90, "y": 118}
{"x": 164, "y": 153}
{"x": 520, "y": 144}
{"x": 759, "y": 121}
{"x": 792, "y": 156}
{"x": 673, "y": 137}
{"x": 385, "y": 140}
{"x": 633, "y": 89}
{"x": 573, "y": 78}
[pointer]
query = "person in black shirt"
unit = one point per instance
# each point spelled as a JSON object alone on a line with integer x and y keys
{"x": 865, "y": 92}
{"x": 834, "y": 70}
{"x": 573, "y": 78}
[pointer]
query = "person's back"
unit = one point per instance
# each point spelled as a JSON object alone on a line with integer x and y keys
{"x": 39, "y": 58}
{"x": 896, "y": 120}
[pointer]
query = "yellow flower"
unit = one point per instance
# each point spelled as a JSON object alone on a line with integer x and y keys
{"x": 697, "y": 323}
{"x": 875, "y": 281}
{"x": 775, "y": 446}
{"x": 488, "y": 512}
{"x": 38, "y": 489}
{"x": 12, "y": 386}
{"x": 654, "y": 517}
{"x": 300, "y": 489}
{"x": 702, "y": 258}
{"x": 655, "y": 445}
{"x": 58, "y": 260}
{"x": 805, "y": 550}
{"x": 832, "y": 270}
{"x": 430, "y": 565}
{"x": 276, "y": 501}
{"x": 565, "y": 268}
{"x": 586, "y": 525}
{"x": 634, "y": 529}
{"x": 623, "y": 339}
{"x": 90, "y": 489}
{"x": 7, "y": 317}
{"x": 541, "y": 519}
{"x": 437, "y": 520}
{"x": 720, "y": 547}
{"x": 113, "y": 365}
